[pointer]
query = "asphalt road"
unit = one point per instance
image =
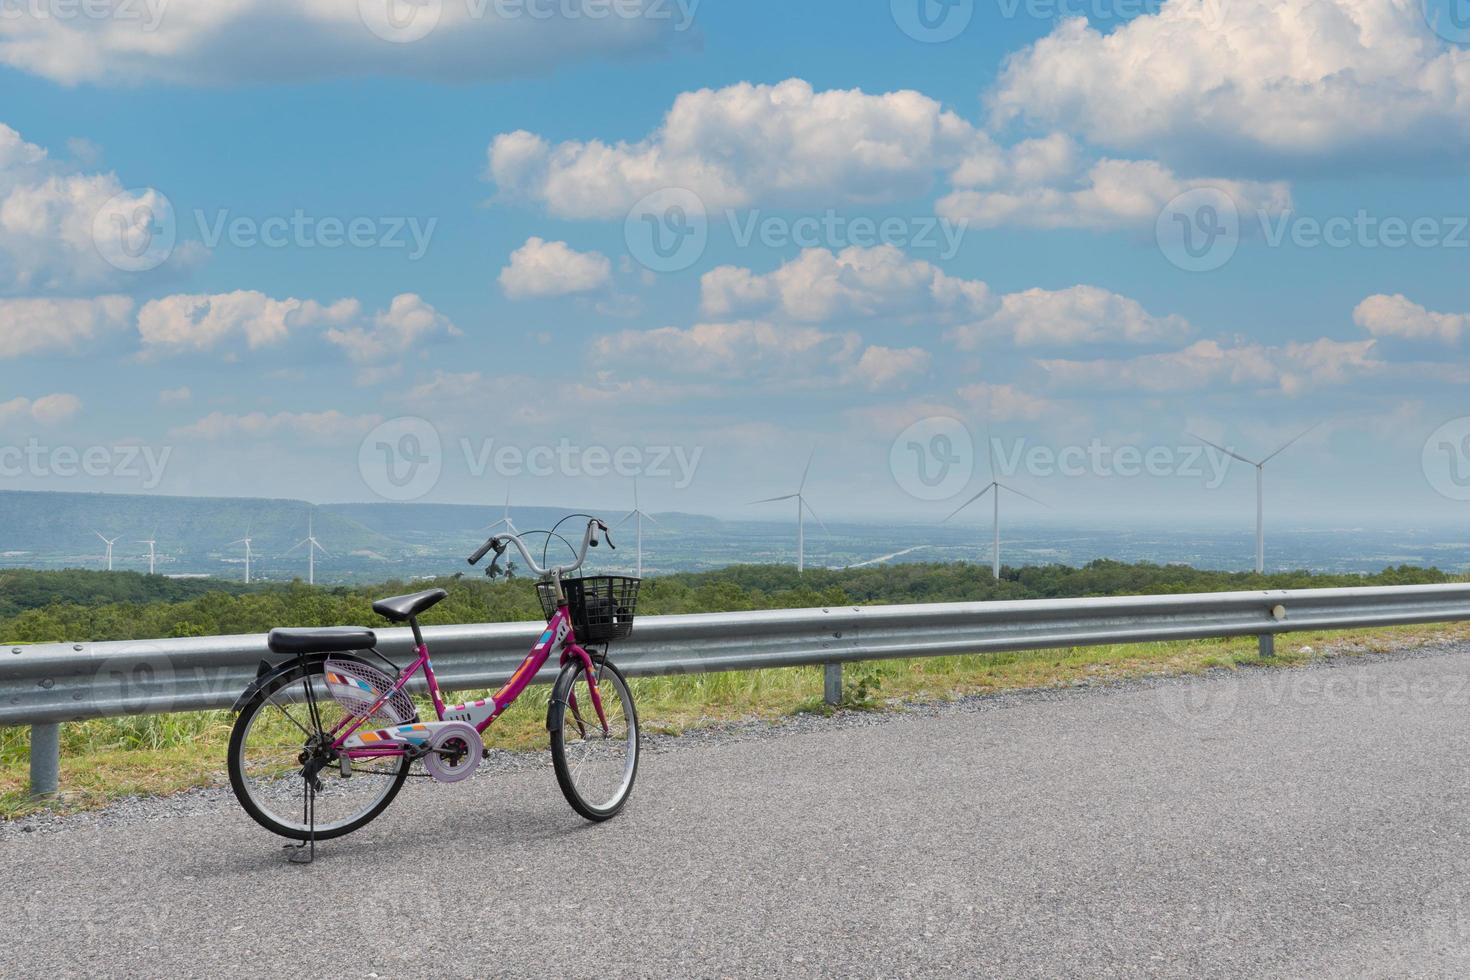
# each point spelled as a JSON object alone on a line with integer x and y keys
{"x": 1286, "y": 822}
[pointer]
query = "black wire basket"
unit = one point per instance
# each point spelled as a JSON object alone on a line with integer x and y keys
{"x": 602, "y": 606}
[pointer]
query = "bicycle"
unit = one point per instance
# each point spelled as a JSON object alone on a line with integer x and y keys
{"x": 323, "y": 742}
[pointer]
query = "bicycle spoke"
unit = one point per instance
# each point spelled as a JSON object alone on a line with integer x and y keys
{"x": 266, "y": 760}
{"x": 282, "y": 709}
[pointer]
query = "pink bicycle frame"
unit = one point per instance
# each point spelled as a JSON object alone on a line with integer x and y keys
{"x": 558, "y": 632}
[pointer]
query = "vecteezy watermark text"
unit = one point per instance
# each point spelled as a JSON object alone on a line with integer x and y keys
{"x": 144, "y": 464}
{"x": 404, "y": 458}
{"x": 302, "y": 230}
{"x": 1200, "y": 229}
{"x": 1097, "y": 458}
{"x": 566, "y": 458}
{"x": 936, "y": 21}
{"x": 407, "y": 21}
{"x": 934, "y": 459}
{"x": 148, "y": 14}
{"x": 837, "y": 231}
{"x": 668, "y": 230}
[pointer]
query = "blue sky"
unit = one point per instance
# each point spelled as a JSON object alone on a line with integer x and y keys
{"x": 1065, "y": 158}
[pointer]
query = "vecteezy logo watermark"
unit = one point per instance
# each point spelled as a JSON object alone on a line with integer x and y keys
{"x": 1199, "y": 230}
{"x": 400, "y": 21}
{"x": 1450, "y": 19}
{"x": 667, "y": 231}
{"x": 567, "y": 459}
{"x": 135, "y": 231}
{"x": 837, "y": 231}
{"x": 1201, "y": 702}
{"x": 402, "y": 459}
{"x": 144, "y": 680}
{"x": 302, "y": 230}
{"x": 1446, "y": 459}
{"x": 932, "y": 21}
{"x": 147, "y": 14}
{"x": 144, "y": 465}
{"x": 933, "y": 459}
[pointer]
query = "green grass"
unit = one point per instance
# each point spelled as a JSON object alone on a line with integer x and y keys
{"x": 107, "y": 759}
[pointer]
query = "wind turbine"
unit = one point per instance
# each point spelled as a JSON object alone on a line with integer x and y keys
{"x": 312, "y": 547}
{"x": 1260, "y": 466}
{"x": 802, "y": 509}
{"x": 109, "y": 542}
{"x": 505, "y": 520}
{"x": 637, "y": 513}
{"x": 152, "y": 544}
{"x": 248, "y": 553}
{"x": 997, "y": 486}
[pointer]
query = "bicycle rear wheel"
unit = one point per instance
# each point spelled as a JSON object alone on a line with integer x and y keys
{"x": 595, "y": 767}
{"x": 279, "y": 732}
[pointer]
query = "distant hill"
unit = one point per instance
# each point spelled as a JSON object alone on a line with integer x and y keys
{"x": 375, "y": 542}
{"x": 194, "y": 534}
{"x": 198, "y": 535}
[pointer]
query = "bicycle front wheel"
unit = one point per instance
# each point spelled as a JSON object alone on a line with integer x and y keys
{"x": 282, "y": 729}
{"x": 595, "y": 764}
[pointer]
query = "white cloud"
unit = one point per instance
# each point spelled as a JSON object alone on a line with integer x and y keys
{"x": 408, "y": 321}
{"x": 47, "y": 215}
{"x": 1291, "y": 368}
{"x": 738, "y": 349}
{"x": 540, "y": 269}
{"x": 1076, "y": 315}
{"x": 203, "y": 322}
{"x": 787, "y": 145}
{"x": 889, "y": 367}
{"x": 269, "y": 41}
{"x": 46, "y": 410}
{"x": 327, "y": 426}
{"x": 1398, "y": 316}
{"x": 759, "y": 351}
{"x": 34, "y": 325}
{"x": 1005, "y": 403}
{"x": 175, "y": 396}
{"x": 1107, "y": 194}
{"x": 194, "y": 323}
{"x": 819, "y": 285}
{"x": 744, "y": 144}
{"x": 1272, "y": 79}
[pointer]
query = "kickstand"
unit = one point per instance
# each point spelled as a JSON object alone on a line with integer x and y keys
{"x": 305, "y": 852}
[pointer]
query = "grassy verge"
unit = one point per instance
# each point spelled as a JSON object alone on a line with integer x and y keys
{"x": 108, "y": 759}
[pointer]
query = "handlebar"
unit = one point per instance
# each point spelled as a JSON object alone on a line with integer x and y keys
{"x": 499, "y": 542}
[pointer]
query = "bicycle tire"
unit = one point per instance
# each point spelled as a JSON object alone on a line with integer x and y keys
{"x": 563, "y": 755}
{"x": 240, "y": 783}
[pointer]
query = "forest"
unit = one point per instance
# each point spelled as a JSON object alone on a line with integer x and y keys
{"x": 88, "y": 606}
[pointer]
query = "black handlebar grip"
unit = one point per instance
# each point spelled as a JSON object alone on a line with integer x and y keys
{"x": 484, "y": 550}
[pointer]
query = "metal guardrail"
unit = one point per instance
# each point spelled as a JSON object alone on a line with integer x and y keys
{"x": 46, "y": 684}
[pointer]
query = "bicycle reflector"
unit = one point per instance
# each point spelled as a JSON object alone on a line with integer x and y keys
{"x": 357, "y": 687}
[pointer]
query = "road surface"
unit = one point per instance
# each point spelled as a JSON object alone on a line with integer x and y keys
{"x": 1308, "y": 822}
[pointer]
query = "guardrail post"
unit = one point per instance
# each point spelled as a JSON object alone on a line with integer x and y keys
{"x": 45, "y": 759}
{"x": 832, "y": 684}
{"x": 1266, "y": 644}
